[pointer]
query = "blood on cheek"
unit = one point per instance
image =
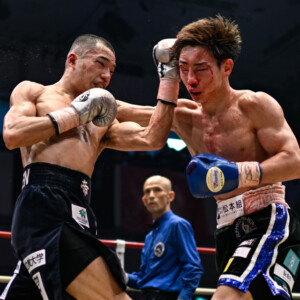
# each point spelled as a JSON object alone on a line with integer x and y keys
{"x": 205, "y": 76}
{"x": 211, "y": 75}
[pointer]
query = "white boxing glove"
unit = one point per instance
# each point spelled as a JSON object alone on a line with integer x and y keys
{"x": 96, "y": 105}
{"x": 168, "y": 73}
{"x": 162, "y": 58}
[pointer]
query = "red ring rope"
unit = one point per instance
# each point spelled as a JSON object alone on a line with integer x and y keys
{"x": 133, "y": 245}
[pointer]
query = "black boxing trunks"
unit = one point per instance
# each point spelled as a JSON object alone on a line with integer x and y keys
{"x": 260, "y": 252}
{"x": 54, "y": 202}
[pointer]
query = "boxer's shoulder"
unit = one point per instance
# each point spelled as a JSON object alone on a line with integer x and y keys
{"x": 187, "y": 103}
{"x": 249, "y": 98}
{"x": 28, "y": 88}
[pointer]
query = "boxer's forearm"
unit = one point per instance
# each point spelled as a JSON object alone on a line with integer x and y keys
{"x": 25, "y": 131}
{"x": 130, "y": 136}
{"x": 136, "y": 113}
{"x": 283, "y": 166}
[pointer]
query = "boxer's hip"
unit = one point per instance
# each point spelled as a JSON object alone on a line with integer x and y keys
{"x": 57, "y": 176}
{"x": 253, "y": 200}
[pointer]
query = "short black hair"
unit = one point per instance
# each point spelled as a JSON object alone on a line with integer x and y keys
{"x": 86, "y": 42}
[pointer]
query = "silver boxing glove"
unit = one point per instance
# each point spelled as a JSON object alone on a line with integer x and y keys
{"x": 96, "y": 105}
{"x": 166, "y": 68}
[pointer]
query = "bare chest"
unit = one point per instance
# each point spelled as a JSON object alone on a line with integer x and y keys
{"x": 228, "y": 135}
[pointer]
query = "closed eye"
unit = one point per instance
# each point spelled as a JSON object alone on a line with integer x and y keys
{"x": 202, "y": 69}
{"x": 104, "y": 65}
{"x": 183, "y": 69}
{"x": 100, "y": 62}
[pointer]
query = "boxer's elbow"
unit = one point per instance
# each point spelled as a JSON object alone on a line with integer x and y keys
{"x": 296, "y": 163}
{"x": 292, "y": 164}
{"x": 11, "y": 139}
{"x": 156, "y": 143}
{"x": 157, "y": 146}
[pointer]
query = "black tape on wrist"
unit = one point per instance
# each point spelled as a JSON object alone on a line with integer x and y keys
{"x": 167, "y": 102}
{"x": 54, "y": 123}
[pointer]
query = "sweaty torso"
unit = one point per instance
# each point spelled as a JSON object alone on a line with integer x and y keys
{"x": 77, "y": 148}
{"x": 229, "y": 133}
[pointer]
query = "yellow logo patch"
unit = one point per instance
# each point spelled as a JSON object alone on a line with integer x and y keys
{"x": 215, "y": 179}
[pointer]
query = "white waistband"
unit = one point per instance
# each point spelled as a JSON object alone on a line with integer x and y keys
{"x": 253, "y": 200}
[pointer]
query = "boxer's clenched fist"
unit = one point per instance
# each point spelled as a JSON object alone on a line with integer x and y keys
{"x": 168, "y": 73}
{"x": 209, "y": 175}
{"x": 166, "y": 67}
{"x": 96, "y": 105}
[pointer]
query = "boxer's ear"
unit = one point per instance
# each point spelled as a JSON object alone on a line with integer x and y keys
{"x": 227, "y": 66}
{"x": 71, "y": 59}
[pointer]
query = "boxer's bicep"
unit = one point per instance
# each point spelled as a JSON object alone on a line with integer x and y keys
{"x": 22, "y": 126}
{"x": 277, "y": 139}
{"x": 273, "y": 132}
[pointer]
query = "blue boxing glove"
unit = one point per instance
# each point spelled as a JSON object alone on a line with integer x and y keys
{"x": 209, "y": 175}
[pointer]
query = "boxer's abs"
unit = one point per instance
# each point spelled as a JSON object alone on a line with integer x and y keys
{"x": 76, "y": 152}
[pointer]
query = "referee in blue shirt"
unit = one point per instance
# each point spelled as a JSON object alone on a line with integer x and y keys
{"x": 170, "y": 264}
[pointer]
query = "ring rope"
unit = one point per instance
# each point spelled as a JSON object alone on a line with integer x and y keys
{"x": 137, "y": 245}
{"x": 132, "y": 245}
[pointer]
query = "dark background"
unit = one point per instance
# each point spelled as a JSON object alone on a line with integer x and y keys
{"x": 34, "y": 40}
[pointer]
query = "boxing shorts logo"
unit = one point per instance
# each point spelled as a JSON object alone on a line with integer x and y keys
{"x": 85, "y": 187}
{"x": 285, "y": 275}
{"x": 39, "y": 283}
{"x": 230, "y": 209}
{"x": 159, "y": 249}
{"x": 241, "y": 252}
{"x": 215, "y": 179}
{"x": 244, "y": 225}
{"x": 25, "y": 179}
{"x": 79, "y": 214}
{"x": 244, "y": 248}
{"x": 292, "y": 261}
{"x": 35, "y": 260}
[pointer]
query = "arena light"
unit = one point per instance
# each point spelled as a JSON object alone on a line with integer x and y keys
{"x": 176, "y": 144}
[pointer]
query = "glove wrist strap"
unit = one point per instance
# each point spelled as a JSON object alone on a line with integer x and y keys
{"x": 168, "y": 90}
{"x": 250, "y": 173}
{"x": 64, "y": 119}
